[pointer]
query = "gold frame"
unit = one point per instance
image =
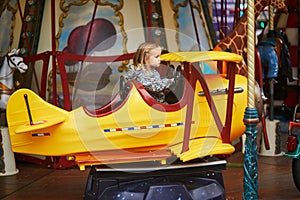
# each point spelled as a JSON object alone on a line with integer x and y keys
{"x": 10, "y": 8}
{"x": 176, "y": 15}
{"x": 65, "y": 8}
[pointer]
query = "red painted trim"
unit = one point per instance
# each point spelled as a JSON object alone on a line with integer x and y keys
{"x": 190, "y": 105}
{"x": 258, "y": 69}
{"x": 53, "y": 44}
{"x": 61, "y": 57}
{"x": 107, "y": 109}
{"x": 200, "y": 76}
{"x": 45, "y": 57}
{"x": 149, "y": 20}
{"x": 225, "y": 134}
{"x": 64, "y": 82}
{"x": 77, "y": 57}
{"x": 110, "y": 107}
{"x": 161, "y": 106}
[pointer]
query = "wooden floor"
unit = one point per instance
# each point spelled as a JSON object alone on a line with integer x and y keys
{"x": 36, "y": 182}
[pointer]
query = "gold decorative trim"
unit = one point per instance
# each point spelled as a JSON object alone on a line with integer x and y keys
{"x": 123, "y": 32}
{"x": 13, "y": 10}
{"x": 66, "y": 7}
{"x": 176, "y": 15}
{"x": 204, "y": 22}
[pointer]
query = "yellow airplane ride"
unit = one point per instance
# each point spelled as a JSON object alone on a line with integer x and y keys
{"x": 133, "y": 127}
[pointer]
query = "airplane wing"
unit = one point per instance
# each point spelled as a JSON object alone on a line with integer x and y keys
{"x": 196, "y": 56}
{"x": 202, "y": 147}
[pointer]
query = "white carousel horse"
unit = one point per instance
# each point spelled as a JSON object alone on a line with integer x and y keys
{"x": 11, "y": 62}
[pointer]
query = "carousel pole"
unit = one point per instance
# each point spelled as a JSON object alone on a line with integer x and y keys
{"x": 271, "y": 18}
{"x": 251, "y": 116}
{"x": 271, "y": 28}
{"x": 195, "y": 25}
{"x": 53, "y": 53}
{"x": 86, "y": 47}
{"x": 271, "y": 123}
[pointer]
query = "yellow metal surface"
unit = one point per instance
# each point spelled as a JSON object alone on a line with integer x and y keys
{"x": 40, "y": 124}
{"x": 198, "y": 56}
{"x": 202, "y": 147}
{"x": 57, "y": 132}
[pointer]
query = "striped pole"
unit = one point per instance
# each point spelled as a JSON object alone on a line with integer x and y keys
{"x": 271, "y": 18}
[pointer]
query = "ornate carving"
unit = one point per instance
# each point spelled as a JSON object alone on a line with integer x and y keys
{"x": 12, "y": 9}
{"x": 196, "y": 6}
{"x": 66, "y": 6}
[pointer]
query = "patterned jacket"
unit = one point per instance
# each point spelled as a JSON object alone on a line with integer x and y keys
{"x": 151, "y": 80}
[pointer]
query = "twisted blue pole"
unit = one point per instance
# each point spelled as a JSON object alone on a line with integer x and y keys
{"x": 250, "y": 157}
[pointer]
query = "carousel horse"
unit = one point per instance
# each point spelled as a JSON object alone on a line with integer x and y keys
{"x": 11, "y": 62}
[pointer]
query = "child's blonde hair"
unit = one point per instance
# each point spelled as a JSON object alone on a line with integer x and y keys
{"x": 142, "y": 52}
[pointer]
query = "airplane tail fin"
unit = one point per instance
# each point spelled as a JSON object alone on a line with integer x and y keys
{"x": 26, "y": 111}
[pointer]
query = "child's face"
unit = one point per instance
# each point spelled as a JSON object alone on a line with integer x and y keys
{"x": 153, "y": 58}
